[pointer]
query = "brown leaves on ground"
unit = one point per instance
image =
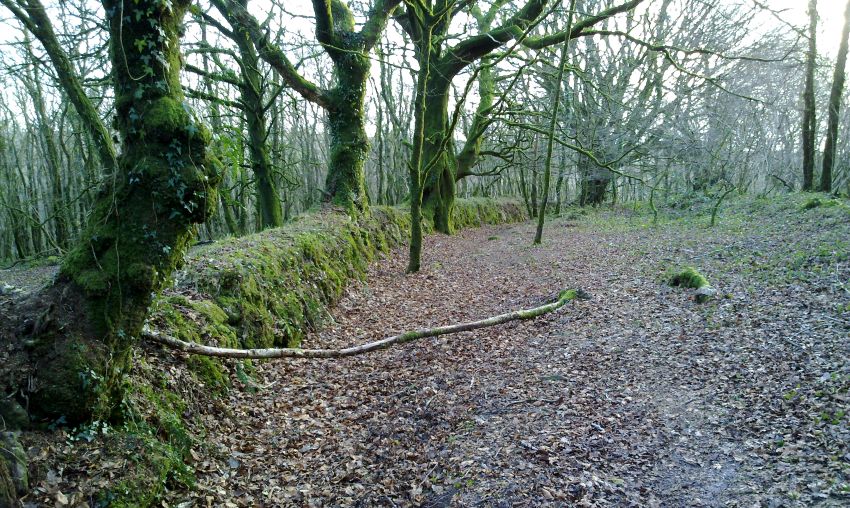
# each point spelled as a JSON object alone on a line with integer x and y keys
{"x": 637, "y": 396}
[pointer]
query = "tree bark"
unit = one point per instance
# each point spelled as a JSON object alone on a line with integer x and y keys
{"x": 416, "y": 160}
{"x": 834, "y": 106}
{"x": 140, "y": 227}
{"x": 809, "y": 115}
{"x": 553, "y": 123}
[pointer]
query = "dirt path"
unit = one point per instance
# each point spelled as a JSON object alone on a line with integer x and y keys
{"x": 636, "y": 396}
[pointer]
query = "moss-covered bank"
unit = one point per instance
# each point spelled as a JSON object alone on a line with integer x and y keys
{"x": 271, "y": 288}
{"x": 266, "y": 289}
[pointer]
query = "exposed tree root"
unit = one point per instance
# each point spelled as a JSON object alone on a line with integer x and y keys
{"x": 200, "y": 349}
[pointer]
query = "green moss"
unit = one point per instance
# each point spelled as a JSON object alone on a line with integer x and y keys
{"x": 689, "y": 277}
{"x": 163, "y": 116}
{"x": 209, "y": 372}
{"x": 154, "y": 438}
{"x": 822, "y": 202}
{"x": 153, "y": 465}
{"x": 272, "y": 288}
{"x": 478, "y": 211}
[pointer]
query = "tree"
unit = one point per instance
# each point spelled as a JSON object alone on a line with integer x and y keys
{"x": 344, "y": 102}
{"x": 439, "y": 174}
{"x": 553, "y": 122}
{"x": 423, "y": 21}
{"x": 835, "y": 95}
{"x": 253, "y": 105}
{"x": 446, "y": 63}
{"x": 142, "y": 223}
{"x": 809, "y": 113}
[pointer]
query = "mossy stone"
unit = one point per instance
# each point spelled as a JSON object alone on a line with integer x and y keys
{"x": 691, "y": 278}
{"x": 13, "y": 460}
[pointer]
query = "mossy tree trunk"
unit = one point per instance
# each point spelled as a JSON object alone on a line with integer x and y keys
{"x": 253, "y": 104}
{"x": 346, "y": 181}
{"x": 834, "y": 107}
{"x": 809, "y": 129}
{"x": 344, "y": 103}
{"x": 438, "y": 172}
{"x": 594, "y": 183}
{"x": 140, "y": 227}
{"x": 422, "y": 25}
{"x": 440, "y": 165}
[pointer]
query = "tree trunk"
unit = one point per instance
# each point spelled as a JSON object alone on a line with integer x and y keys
{"x": 553, "y": 123}
{"x": 438, "y": 155}
{"x": 809, "y": 115}
{"x": 139, "y": 229}
{"x": 834, "y": 107}
{"x": 268, "y": 201}
{"x": 345, "y": 185}
{"x": 416, "y": 160}
{"x": 523, "y": 187}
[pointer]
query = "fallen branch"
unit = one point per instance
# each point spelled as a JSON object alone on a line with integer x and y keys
{"x": 200, "y": 349}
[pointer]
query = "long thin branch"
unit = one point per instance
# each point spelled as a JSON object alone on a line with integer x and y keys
{"x": 666, "y": 48}
{"x": 242, "y": 20}
{"x": 200, "y": 349}
{"x": 580, "y": 26}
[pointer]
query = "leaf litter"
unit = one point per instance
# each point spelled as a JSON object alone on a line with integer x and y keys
{"x": 635, "y": 396}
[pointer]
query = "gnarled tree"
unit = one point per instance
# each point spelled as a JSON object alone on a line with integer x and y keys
{"x": 78, "y": 349}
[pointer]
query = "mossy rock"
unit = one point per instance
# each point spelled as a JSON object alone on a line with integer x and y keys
{"x": 13, "y": 466}
{"x": 817, "y": 202}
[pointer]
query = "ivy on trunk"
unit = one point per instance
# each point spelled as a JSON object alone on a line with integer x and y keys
{"x": 142, "y": 223}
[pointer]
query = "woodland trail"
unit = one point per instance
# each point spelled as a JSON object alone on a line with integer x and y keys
{"x": 636, "y": 396}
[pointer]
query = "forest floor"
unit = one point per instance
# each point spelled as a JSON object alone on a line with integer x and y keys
{"x": 636, "y": 396}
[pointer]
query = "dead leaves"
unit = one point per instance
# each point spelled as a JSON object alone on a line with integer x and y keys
{"x": 636, "y": 397}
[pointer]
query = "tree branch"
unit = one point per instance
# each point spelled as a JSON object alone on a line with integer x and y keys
{"x": 378, "y": 19}
{"x": 215, "y": 76}
{"x": 579, "y": 26}
{"x": 468, "y": 50}
{"x": 241, "y": 19}
{"x": 200, "y": 349}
